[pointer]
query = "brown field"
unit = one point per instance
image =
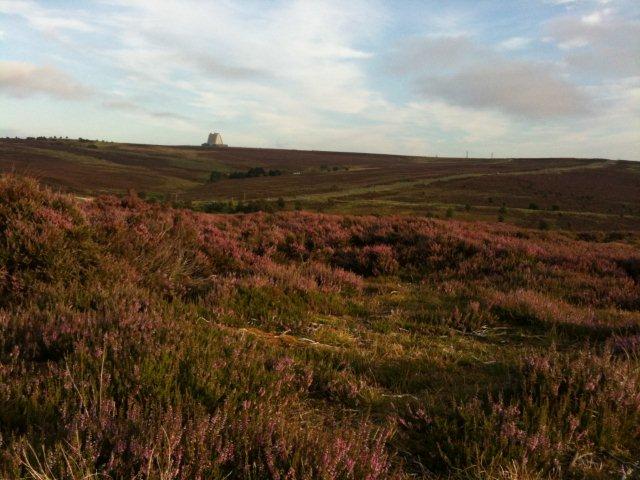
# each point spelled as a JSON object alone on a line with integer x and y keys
{"x": 564, "y": 193}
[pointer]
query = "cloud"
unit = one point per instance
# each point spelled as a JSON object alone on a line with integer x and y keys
{"x": 593, "y": 18}
{"x": 296, "y": 63}
{"x": 132, "y": 107}
{"x": 570, "y": 4}
{"x": 420, "y": 54}
{"x": 302, "y": 73}
{"x": 601, "y": 43}
{"x": 514, "y": 43}
{"x": 523, "y": 89}
{"x": 21, "y": 79}
{"x": 43, "y": 19}
{"x": 469, "y": 74}
{"x": 303, "y": 49}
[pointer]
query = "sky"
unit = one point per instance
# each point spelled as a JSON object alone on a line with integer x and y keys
{"x": 514, "y": 78}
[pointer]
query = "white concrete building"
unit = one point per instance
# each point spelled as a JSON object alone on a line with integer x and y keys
{"x": 215, "y": 140}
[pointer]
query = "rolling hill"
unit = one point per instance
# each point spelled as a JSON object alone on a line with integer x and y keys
{"x": 565, "y": 193}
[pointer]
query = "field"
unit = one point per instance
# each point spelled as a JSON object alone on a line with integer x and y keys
{"x": 142, "y": 341}
{"x": 581, "y": 195}
{"x": 341, "y": 316}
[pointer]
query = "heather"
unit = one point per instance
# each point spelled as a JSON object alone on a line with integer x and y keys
{"x": 141, "y": 341}
{"x": 592, "y": 197}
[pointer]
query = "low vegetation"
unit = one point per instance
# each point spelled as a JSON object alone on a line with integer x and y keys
{"x": 333, "y": 168}
{"x": 250, "y": 173}
{"x": 250, "y": 206}
{"x": 140, "y": 341}
{"x": 558, "y": 193}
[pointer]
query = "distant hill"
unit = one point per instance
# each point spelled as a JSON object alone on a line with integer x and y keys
{"x": 567, "y": 193}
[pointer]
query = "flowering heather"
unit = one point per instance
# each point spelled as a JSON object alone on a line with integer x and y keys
{"x": 139, "y": 341}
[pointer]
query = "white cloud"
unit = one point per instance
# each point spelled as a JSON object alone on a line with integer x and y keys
{"x": 515, "y": 43}
{"x": 21, "y": 79}
{"x": 573, "y": 43}
{"x": 304, "y": 48}
{"x": 44, "y": 19}
{"x": 593, "y": 18}
{"x": 299, "y": 73}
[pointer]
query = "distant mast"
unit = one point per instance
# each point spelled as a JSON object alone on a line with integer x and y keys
{"x": 215, "y": 140}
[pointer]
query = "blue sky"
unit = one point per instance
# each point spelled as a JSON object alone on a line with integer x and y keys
{"x": 516, "y": 78}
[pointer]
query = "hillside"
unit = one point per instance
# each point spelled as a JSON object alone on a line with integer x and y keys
{"x": 570, "y": 194}
{"x": 141, "y": 341}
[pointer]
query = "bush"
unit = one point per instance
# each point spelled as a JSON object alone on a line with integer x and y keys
{"x": 371, "y": 260}
{"x": 255, "y": 172}
{"x": 216, "y": 176}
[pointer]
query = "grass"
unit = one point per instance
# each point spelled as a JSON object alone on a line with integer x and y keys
{"x": 141, "y": 341}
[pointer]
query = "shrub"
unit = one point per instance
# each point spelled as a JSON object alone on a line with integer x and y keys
{"x": 376, "y": 260}
{"x": 558, "y": 413}
{"x": 216, "y": 176}
{"x": 255, "y": 172}
{"x": 140, "y": 341}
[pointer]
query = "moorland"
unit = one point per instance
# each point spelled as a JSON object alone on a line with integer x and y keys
{"x": 445, "y": 319}
{"x": 565, "y": 193}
